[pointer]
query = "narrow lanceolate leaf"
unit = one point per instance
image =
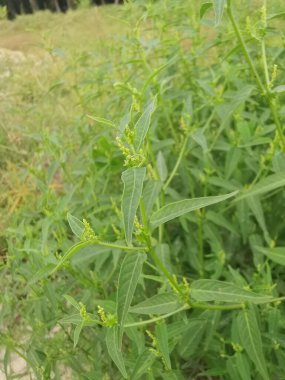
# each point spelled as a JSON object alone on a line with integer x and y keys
{"x": 161, "y": 166}
{"x": 143, "y": 124}
{"x": 76, "y": 225}
{"x": 133, "y": 183}
{"x": 77, "y": 332}
{"x": 191, "y": 338}
{"x": 142, "y": 364}
{"x": 175, "y": 209}
{"x": 161, "y": 334}
{"x": 276, "y": 254}
{"x": 214, "y": 290}
{"x": 279, "y": 89}
{"x": 219, "y": 6}
{"x": 113, "y": 350}
{"x": 255, "y": 205}
{"x": 128, "y": 279}
{"x": 158, "y": 304}
{"x": 270, "y": 183}
{"x": 250, "y": 337}
{"x": 150, "y": 194}
{"x": 101, "y": 120}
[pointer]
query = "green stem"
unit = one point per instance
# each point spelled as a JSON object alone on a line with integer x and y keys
{"x": 152, "y": 252}
{"x": 264, "y": 62}
{"x": 88, "y": 243}
{"x": 200, "y": 243}
{"x": 273, "y": 109}
{"x": 161, "y": 226}
{"x": 118, "y": 246}
{"x": 264, "y": 91}
{"x": 244, "y": 48}
{"x": 176, "y": 166}
{"x": 187, "y": 307}
{"x": 217, "y": 307}
{"x": 148, "y": 321}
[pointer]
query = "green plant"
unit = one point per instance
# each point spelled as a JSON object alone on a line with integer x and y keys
{"x": 181, "y": 275}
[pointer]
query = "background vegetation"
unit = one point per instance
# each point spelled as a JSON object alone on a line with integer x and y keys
{"x": 69, "y": 87}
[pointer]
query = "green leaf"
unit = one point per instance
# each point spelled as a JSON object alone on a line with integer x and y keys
{"x": 74, "y": 249}
{"x": 265, "y": 185}
{"x": 214, "y": 290}
{"x": 279, "y": 89}
{"x": 220, "y": 220}
{"x": 204, "y": 8}
{"x": 142, "y": 364}
{"x": 199, "y": 137}
{"x": 76, "y": 225}
{"x": 159, "y": 304}
{"x": 74, "y": 319}
{"x": 150, "y": 194}
{"x": 161, "y": 166}
{"x": 257, "y": 210}
{"x": 276, "y": 254}
{"x": 243, "y": 365}
{"x": 113, "y": 350}
{"x": 143, "y": 124}
{"x": 175, "y": 209}
{"x": 232, "y": 160}
{"x": 250, "y": 337}
{"x": 128, "y": 278}
{"x": 219, "y": 6}
{"x": 162, "y": 339}
{"x": 191, "y": 338}
{"x": 101, "y": 120}
{"x": 133, "y": 184}
{"x": 72, "y": 301}
{"x": 77, "y": 332}
{"x": 41, "y": 273}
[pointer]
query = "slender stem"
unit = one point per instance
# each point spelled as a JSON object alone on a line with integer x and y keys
{"x": 236, "y": 306}
{"x": 217, "y": 307}
{"x": 273, "y": 108}
{"x": 161, "y": 226}
{"x": 187, "y": 307}
{"x": 264, "y": 90}
{"x": 118, "y": 246}
{"x": 244, "y": 49}
{"x": 264, "y": 62}
{"x": 148, "y": 321}
{"x": 88, "y": 243}
{"x": 152, "y": 252}
{"x": 152, "y": 157}
{"x": 200, "y": 243}
{"x": 176, "y": 166}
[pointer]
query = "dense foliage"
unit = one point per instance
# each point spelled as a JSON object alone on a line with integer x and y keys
{"x": 150, "y": 239}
